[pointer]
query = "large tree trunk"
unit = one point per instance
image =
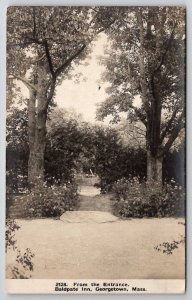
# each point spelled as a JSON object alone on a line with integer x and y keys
{"x": 37, "y": 131}
{"x": 37, "y": 150}
{"x": 154, "y": 168}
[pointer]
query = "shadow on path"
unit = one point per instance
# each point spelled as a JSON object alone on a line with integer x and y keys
{"x": 92, "y": 200}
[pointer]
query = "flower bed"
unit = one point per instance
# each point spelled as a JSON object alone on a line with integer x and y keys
{"x": 139, "y": 199}
{"x": 50, "y": 201}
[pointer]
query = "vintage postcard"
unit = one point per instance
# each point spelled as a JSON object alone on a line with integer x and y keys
{"x": 95, "y": 153}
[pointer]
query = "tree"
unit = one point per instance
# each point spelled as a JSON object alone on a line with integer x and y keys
{"x": 43, "y": 44}
{"x": 146, "y": 69}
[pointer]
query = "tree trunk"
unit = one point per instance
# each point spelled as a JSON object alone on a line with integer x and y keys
{"x": 37, "y": 150}
{"x": 37, "y": 131}
{"x": 154, "y": 168}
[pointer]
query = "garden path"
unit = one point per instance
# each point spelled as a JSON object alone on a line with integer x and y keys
{"x": 106, "y": 248}
{"x": 93, "y": 207}
{"x": 92, "y": 200}
{"x": 111, "y": 250}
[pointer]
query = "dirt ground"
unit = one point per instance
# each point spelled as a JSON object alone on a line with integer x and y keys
{"x": 114, "y": 250}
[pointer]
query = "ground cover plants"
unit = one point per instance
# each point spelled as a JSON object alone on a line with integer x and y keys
{"x": 135, "y": 198}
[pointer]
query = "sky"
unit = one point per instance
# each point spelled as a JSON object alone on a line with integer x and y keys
{"x": 84, "y": 96}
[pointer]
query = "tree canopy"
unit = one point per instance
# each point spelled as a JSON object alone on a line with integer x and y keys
{"x": 146, "y": 69}
{"x": 43, "y": 43}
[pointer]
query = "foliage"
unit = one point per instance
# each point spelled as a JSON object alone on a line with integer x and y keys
{"x": 114, "y": 160}
{"x": 74, "y": 146}
{"x": 140, "y": 199}
{"x": 11, "y": 228}
{"x": 43, "y": 46}
{"x": 9, "y": 197}
{"x": 169, "y": 247}
{"x": 55, "y": 34}
{"x": 145, "y": 67}
{"x": 174, "y": 166}
{"x": 67, "y": 143}
{"x": 17, "y": 149}
{"x": 23, "y": 260}
{"x": 50, "y": 201}
{"x": 123, "y": 62}
{"x": 68, "y": 146}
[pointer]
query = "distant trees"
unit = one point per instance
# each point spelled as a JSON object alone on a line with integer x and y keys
{"x": 146, "y": 69}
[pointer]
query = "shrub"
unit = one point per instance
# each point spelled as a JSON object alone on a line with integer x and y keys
{"x": 169, "y": 247}
{"x": 139, "y": 199}
{"x": 24, "y": 263}
{"x": 121, "y": 189}
{"x": 11, "y": 228}
{"x": 9, "y": 198}
{"x": 50, "y": 201}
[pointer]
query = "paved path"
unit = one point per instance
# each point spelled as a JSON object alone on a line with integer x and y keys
{"x": 113, "y": 250}
{"x": 93, "y": 208}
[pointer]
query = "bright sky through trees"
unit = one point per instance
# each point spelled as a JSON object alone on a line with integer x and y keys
{"x": 84, "y": 95}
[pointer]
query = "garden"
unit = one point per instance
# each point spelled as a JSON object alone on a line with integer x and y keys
{"x": 126, "y": 157}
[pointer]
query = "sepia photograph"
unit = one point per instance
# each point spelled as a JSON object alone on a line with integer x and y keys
{"x": 95, "y": 149}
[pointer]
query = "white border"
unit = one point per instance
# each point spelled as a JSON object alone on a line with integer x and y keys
{"x": 41, "y": 286}
{"x": 3, "y": 5}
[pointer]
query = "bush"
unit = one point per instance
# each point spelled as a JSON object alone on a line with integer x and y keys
{"x": 121, "y": 189}
{"x": 50, "y": 201}
{"x": 9, "y": 198}
{"x": 139, "y": 199}
{"x": 24, "y": 264}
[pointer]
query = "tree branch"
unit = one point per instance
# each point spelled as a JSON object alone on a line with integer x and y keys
{"x": 25, "y": 81}
{"x": 68, "y": 61}
{"x": 143, "y": 82}
{"x": 168, "y": 125}
{"x": 140, "y": 130}
{"x": 34, "y": 22}
{"x": 139, "y": 114}
{"x": 51, "y": 90}
{"x": 49, "y": 58}
{"x": 104, "y": 28}
{"x": 166, "y": 50}
{"x": 71, "y": 58}
{"x": 173, "y": 135}
{"x": 39, "y": 59}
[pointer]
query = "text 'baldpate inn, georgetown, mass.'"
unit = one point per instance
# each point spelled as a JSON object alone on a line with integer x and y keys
{"x": 97, "y": 287}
